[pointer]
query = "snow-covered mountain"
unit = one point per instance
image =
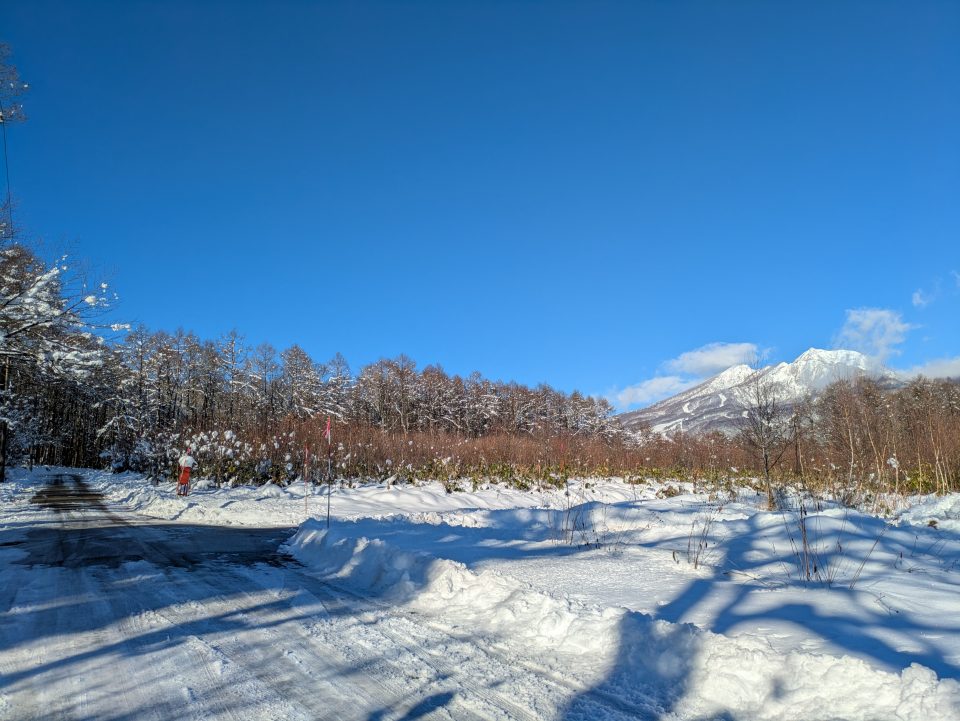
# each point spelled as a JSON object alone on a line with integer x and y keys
{"x": 716, "y": 404}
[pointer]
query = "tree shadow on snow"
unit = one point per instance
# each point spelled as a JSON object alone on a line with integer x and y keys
{"x": 852, "y": 613}
{"x": 190, "y": 591}
{"x": 656, "y": 690}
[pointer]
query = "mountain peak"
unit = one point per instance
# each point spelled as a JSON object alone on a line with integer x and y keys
{"x": 736, "y": 374}
{"x": 718, "y": 402}
{"x": 841, "y": 356}
{"x": 832, "y": 365}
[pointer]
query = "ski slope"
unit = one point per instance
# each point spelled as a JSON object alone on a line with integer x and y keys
{"x": 121, "y": 601}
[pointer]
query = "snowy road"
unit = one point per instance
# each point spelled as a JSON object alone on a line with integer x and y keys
{"x": 106, "y": 616}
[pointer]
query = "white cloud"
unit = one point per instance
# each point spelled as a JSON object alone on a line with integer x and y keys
{"x": 956, "y": 277}
{"x": 940, "y": 368}
{"x": 921, "y": 299}
{"x": 710, "y": 359}
{"x": 685, "y": 371}
{"x": 651, "y": 390}
{"x": 875, "y": 332}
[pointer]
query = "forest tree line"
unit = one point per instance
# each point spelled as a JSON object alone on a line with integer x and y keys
{"x": 70, "y": 397}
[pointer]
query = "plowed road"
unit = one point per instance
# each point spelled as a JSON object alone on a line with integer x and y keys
{"x": 106, "y": 615}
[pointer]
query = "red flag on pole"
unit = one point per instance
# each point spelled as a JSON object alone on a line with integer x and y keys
{"x": 326, "y": 434}
{"x": 306, "y": 473}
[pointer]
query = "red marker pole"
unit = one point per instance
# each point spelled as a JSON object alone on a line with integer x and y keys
{"x": 329, "y": 470}
{"x": 306, "y": 465}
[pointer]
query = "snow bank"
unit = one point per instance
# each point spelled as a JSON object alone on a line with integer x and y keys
{"x": 943, "y": 511}
{"x": 503, "y": 606}
{"x": 652, "y": 665}
{"x": 744, "y": 677}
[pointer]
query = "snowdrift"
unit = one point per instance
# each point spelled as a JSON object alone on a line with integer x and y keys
{"x": 651, "y": 666}
{"x": 941, "y": 511}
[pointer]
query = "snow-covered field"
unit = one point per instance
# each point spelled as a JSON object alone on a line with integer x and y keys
{"x": 605, "y": 601}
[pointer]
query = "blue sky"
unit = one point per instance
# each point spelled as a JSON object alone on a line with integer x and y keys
{"x": 613, "y": 197}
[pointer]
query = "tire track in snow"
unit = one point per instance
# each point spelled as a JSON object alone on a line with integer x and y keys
{"x": 506, "y": 707}
{"x": 60, "y": 668}
{"x": 396, "y": 657}
{"x": 258, "y": 680}
{"x": 287, "y": 665}
{"x": 610, "y": 703}
{"x": 135, "y": 626}
{"x": 225, "y": 578}
{"x": 474, "y": 658}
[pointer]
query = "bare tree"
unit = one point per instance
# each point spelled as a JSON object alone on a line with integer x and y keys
{"x": 11, "y": 111}
{"x": 765, "y": 426}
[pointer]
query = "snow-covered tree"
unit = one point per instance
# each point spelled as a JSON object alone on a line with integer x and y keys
{"x": 299, "y": 384}
{"x": 47, "y": 319}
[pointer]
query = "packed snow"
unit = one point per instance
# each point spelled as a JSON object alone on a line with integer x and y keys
{"x": 599, "y": 600}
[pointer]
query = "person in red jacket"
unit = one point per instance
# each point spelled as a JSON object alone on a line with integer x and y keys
{"x": 187, "y": 463}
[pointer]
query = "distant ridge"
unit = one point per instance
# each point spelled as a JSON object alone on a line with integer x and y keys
{"x": 716, "y": 404}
